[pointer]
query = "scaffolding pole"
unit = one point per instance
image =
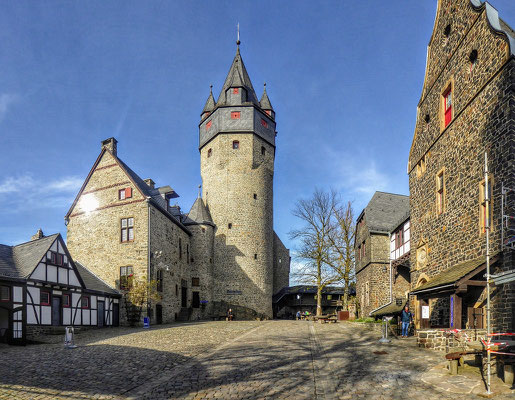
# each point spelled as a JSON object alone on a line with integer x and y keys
{"x": 487, "y": 228}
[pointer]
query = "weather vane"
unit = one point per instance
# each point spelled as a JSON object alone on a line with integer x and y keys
{"x": 238, "y": 41}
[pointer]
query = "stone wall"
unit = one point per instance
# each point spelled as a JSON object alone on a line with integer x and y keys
{"x": 483, "y": 119}
{"x": 281, "y": 265}
{"x": 94, "y": 238}
{"x": 442, "y": 340}
{"x": 238, "y": 190}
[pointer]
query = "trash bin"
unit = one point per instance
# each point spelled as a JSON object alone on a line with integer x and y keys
{"x": 343, "y": 315}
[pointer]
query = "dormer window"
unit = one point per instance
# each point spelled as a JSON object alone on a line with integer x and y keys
{"x": 125, "y": 193}
{"x": 235, "y": 115}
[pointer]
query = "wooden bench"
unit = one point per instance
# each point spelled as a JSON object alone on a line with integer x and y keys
{"x": 326, "y": 318}
{"x": 456, "y": 359}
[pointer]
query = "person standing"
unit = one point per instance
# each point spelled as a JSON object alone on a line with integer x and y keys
{"x": 406, "y": 318}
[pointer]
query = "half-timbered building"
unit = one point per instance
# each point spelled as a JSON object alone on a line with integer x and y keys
{"x": 41, "y": 288}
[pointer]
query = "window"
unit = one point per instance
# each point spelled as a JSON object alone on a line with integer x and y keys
{"x": 472, "y": 59}
{"x": 235, "y": 115}
{"x": 363, "y": 249}
{"x": 264, "y": 123}
{"x": 235, "y": 144}
{"x": 187, "y": 253}
{"x": 125, "y": 193}
{"x": 447, "y": 31}
{"x": 367, "y": 294}
{"x": 329, "y": 297}
{"x": 210, "y": 153}
{"x": 5, "y": 293}
{"x": 263, "y": 150}
{"x": 427, "y": 118}
{"x": 255, "y": 196}
{"x": 235, "y": 90}
{"x": 359, "y": 253}
{"x": 176, "y": 290}
{"x": 440, "y": 192}
{"x": 126, "y": 276}
{"x": 255, "y": 256}
{"x": 485, "y": 217}
{"x": 399, "y": 238}
{"x": 127, "y": 230}
{"x": 159, "y": 279}
{"x": 195, "y": 281}
{"x": 180, "y": 248}
{"x": 44, "y": 298}
{"x": 447, "y": 106}
{"x": 208, "y": 125}
{"x": 229, "y": 226}
{"x": 66, "y": 300}
{"x": 84, "y": 302}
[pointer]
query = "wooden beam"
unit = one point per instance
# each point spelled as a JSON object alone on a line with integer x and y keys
{"x": 474, "y": 283}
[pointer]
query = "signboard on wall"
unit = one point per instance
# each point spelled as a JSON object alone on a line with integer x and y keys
{"x": 425, "y": 312}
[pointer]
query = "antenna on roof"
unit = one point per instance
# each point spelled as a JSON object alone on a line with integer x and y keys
{"x": 238, "y": 40}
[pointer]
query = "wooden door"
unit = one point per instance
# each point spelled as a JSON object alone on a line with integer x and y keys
{"x": 116, "y": 314}
{"x": 100, "y": 313}
{"x": 56, "y": 311}
{"x": 475, "y": 318}
{"x": 159, "y": 314}
{"x": 184, "y": 296}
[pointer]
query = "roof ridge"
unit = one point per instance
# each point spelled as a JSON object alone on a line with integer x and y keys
{"x": 35, "y": 241}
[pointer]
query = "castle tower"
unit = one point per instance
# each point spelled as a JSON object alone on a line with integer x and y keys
{"x": 237, "y": 150}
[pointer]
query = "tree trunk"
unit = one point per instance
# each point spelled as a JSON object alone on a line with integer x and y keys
{"x": 319, "y": 301}
{"x": 346, "y": 296}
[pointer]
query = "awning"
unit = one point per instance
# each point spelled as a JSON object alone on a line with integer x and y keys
{"x": 454, "y": 276}
{"x": 390, "y": 309}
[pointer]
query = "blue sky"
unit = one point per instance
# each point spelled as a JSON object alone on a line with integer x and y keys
{"x": 343, "y": 76}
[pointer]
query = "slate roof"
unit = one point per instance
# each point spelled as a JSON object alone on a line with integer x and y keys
{"x": 389, "y": 309}
{"x": 19, "y": 261}
{"x": 309, "y": 289}
{"x": 265, "y": 101}
{"x": 199, "y": 214}
{"x": 210, "y": 103}
{"x": 385, "y": 210}
{"x": 92, "y": 281}
{"x": 237, "y": 77}
{"x": 452, "y": 275}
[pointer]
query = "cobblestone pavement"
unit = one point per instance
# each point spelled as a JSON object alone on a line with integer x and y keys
{"x": 235, "y": 360}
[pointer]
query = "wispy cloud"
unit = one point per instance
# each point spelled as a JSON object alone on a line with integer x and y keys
{"x": 17, "y": 193}
{"x": 6, "y": 101}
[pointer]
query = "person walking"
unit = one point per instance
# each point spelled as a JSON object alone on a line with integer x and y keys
{"x": 298, "y": 315}
{"x": 406, "y": 318}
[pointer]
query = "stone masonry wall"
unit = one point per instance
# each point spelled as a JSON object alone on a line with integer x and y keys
{"x": 281, "y": 265}
{"x": 483, "y": 119}
{"x": 93, "y": 238}
{"x": 238, "y": 190}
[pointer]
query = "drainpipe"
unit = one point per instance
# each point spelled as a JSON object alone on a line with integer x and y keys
{"x": 148, "y": 261}
{"x": 391, "y": 280}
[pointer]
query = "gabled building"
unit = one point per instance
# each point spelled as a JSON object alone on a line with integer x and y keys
{"x": 224, "y": 253}
{"x": 41, "y": 288}
{"x": 466, "y": 109}
{"x": 376, "y": 282}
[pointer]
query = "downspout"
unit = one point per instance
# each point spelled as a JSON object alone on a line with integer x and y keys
{"x": 391, "y": 279}
{"x": 148, "y": 261}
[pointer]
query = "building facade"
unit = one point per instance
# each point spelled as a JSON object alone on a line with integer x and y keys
{"x": 42, "y": 288}
{"x": 466, "y": 109}
{"x": 224, "y": 252}
{"x": 376, "y": 281}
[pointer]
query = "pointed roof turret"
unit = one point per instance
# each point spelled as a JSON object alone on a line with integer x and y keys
{"x": 265, "y": 101}
{"x": 237, "y": 77}
{"x": 199, "y": 214}
{"x": 210, "y": 103}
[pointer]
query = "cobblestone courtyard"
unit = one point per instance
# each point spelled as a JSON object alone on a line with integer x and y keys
{"x": 234, "y": 360}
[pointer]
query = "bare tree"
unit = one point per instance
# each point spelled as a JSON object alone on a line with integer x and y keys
{"x": 315, "y": 245}
{"x": 341, "y": 240}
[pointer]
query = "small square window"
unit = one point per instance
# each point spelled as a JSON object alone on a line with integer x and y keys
{"x": 121, "y": 194}
{"x": 264, "y": 123}
{"x": 235, "y": 115}
{"x": 255, "y": 256}
{"x": 208, "y": 125}
{"x": 229, "y": 225}
{"x": 235, "y": 90}
{"x": 235, "y": 144}
{"x": 255, "y": 196}
{"x": 44, "y": 298}
{"x": 195, "y": 281}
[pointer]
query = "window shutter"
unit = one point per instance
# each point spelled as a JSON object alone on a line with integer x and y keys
{"x": 128, "y": 192}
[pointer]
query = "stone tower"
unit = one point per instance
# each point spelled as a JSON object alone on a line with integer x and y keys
{"x": 237, "y": 150}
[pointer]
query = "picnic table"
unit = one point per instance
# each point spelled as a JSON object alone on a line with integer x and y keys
{"x": 326, "y": 318}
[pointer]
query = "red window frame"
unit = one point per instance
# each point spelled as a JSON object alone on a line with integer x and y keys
{"x": 264, "y": 123}
{"x": 235, "y": 90}
{"x": 66, "y": 304}
{"x": 235, "y": 114}
{"x": 208, "y": 124}
{"x": 44, "y": 303}
{"x": 125, "y": 193}
{"x": 8, "y": 293}
{"x": 447, "y": 103}
{"x": 82, "y": 302}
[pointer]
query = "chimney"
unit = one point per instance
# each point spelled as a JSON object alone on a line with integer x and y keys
{"x": 110, "y": 144}
{"x": 39, "y": 235}
{"x": 150, "y": 183}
